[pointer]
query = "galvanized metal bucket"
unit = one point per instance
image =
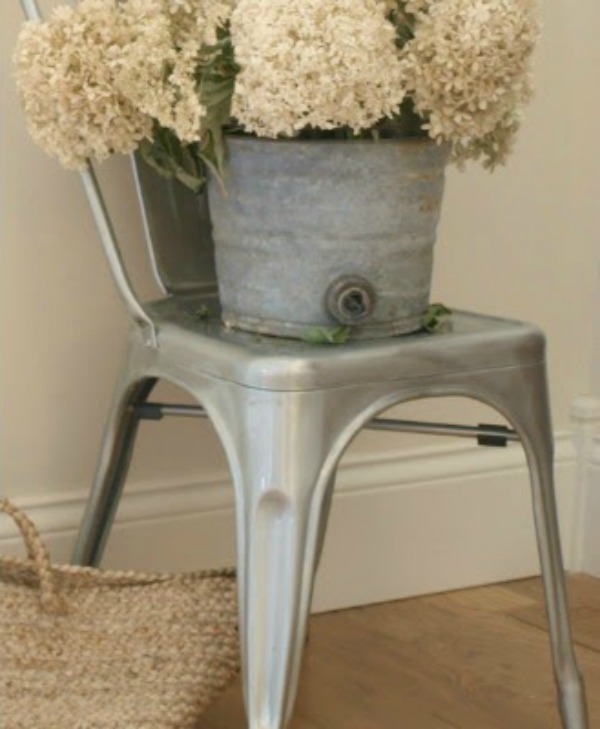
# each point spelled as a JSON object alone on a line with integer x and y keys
{"x": 327, "y": 233}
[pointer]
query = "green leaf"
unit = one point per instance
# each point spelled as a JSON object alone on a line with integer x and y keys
{"x": 326, "y": 335}
{"x": 435, "y": 317}
{"x": 170, "y": 158}
{"x": 202, "y": 312}
{"x": 215, "y": 95}
{"x": 216, "y": 81}
{"x": 213, "y": 154}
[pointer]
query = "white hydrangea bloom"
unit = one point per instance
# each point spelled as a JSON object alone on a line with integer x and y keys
{"x": 317, "y": 63}
{"x": 65, "y": 71}
{"x": 469, "y": 70}
{"x": 95, "y": 77}
{"x": 157, "y": 69}
{"x": 196, "y": 19}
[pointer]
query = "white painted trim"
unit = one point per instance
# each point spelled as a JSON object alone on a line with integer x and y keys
{"x": 403, "y": 523}
{"x": 585, "y": 539}
{"x": 591, "y": 515}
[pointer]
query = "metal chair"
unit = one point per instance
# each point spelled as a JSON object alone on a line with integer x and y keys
{"x": 285, "y": 412}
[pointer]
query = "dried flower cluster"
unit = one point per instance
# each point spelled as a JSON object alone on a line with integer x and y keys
{"x": 66, "y": 72}
{"x": 96, "y": 77}
{"x": 159, "y": 67}
{"x": 314, "y": 64}
{"x": 468, "y": 70}
{"x": 170, "y": 75}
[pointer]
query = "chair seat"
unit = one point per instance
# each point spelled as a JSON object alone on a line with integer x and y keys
{"x": 469, "y": 342}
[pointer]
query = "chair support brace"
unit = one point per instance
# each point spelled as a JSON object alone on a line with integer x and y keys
{"x": 487, "y": 435}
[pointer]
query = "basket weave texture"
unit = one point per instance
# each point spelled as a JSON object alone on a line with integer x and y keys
{"x": 83, "y": 648}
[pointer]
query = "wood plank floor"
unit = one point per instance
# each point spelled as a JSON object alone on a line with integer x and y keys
{"x": 473, "y": 659}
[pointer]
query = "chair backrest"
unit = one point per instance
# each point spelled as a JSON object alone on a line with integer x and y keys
{"x": 178, "y": 230}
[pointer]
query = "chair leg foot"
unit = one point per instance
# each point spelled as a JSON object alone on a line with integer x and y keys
{"x": 573, "y": 704}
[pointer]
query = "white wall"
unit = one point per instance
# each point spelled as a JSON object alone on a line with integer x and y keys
{"x": 521, "y": 243}
{"x": 584, "y": 96}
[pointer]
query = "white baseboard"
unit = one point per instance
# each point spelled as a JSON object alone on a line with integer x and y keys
{"x": 403, "y": 523}
{"x": 591, "y": 515}
{"x": 585, "y": 548}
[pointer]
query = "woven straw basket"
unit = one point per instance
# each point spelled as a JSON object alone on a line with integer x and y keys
{"x": 82, "y": 648}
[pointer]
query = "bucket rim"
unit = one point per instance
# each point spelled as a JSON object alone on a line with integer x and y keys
{"x": 236, "y": 139}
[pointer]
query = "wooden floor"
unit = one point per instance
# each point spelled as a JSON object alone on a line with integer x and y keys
{"x": 474, "y": 659}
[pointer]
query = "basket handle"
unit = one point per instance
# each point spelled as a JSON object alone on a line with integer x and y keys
{"x": 38, "y": 554}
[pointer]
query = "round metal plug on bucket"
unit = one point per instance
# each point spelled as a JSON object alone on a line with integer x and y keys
{"x": 350, "y": 300}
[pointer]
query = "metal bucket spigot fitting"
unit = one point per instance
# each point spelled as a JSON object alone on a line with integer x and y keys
{"x": 350, "y": 299}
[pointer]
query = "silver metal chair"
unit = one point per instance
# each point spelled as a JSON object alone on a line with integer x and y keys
{"x": 285, "y": 412}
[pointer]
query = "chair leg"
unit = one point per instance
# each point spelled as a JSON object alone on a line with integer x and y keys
{"x": 571, "y": 691}
{"x": 283, "y": 448}
{"x": 111, "y": 472}
{"x": 325, "y": 512}
{"x": 527, "y": 405}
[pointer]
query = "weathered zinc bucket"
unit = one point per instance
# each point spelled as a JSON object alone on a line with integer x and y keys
{"x": 327, "y": 233}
